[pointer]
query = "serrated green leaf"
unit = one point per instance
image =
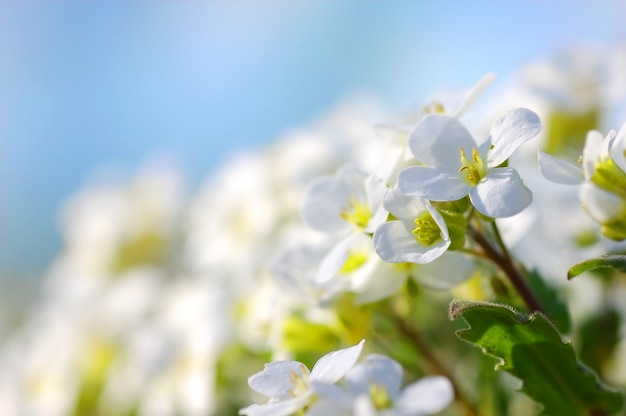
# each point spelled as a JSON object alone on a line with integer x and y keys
{"x": 530, "y": 348}
{"x": 616, "y": 261}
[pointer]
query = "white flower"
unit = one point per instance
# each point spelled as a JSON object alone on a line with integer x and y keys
{"x": 349, "y": 200}
{"x": 288, "y": 383}
{"x": 603, "y": 179}
{"x": 420, "y": 234}
{"x": 396, "y": 137}
{"x": 494, "y": 191}
{"x": 373, "y": 387}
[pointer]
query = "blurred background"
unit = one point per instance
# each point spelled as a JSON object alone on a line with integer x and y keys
{"x": 95, "y": 89}
{"x": 153, "y": 156}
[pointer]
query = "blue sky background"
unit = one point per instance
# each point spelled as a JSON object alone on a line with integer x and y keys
{"x": 87, "y": 84}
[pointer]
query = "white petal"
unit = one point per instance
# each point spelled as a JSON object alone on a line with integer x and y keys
{"x": 275, "y": 380}
{"x": 558, "y": 171}
{"x": 436, "y": 141}
{"x": 433, "y": 184}
{"x": 376, "y": 370}
{"x": 283, "y": 408}
{"x": 327, "y": 196}
{"x": 445, "y": 272}
{"x": 602, "y": 206}
{"x": 403, "y": 207}
{"x": 426, "y": 396}
{"x": 375, "y": 190}
{"x": 501, "y": 193}
{"x": 334, "y": 260}
{"x": 617, "y": 151}
{"x": 509, "y": 132}
{"x": 363, "y": 406}
{"x": 384, "y": 282}
{"x": 395, "y": 243}
{"x": 473, "y": 94}
{"x": 592, "y": 152}
{"x": 331, "y": 367}
{"x": 322, "y": 204}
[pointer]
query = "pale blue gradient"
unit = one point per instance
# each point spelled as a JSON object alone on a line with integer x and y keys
{"x": 86, "y": 84}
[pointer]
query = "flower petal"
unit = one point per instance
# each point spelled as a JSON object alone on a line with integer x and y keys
{"x": 376, "y": 370}
{"x": 395, "y": 243}
{"x": 282, "y": 408}
{"x": 427, "y": 396}
{"x": 617, "y": 151}
{"x": 322, "y": 204}
{"x": 509, "y": 132}
{"x": 403, "y": 207}
{"x": 436, "y": 140}
{"x": 592, "y": 152}
{"x": 602, "y": 206}
{"x": 384, "y": 282}
{"x": 331, "y": 367}
{"x": 432, "y": 183}
{"x": 558, "y": 171}
{"x": 445, "y": 272}
{"x": 375, "y": 190}
{"x": 275, "y": 379}
{"x": 472, "y": 95}
{"x": 501, "y": 193}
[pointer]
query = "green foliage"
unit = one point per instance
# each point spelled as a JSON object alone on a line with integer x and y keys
{"x": 566, "y": 130}
{"x": 551, "y": 301}
{"x": 615, "y": 261}
{"x": 530, "y": 348}
{"x": 599, "y": 335}
{"x": 145, "y": 249}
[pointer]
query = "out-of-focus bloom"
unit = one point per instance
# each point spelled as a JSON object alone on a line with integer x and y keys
{"x": 602, "y": 178}
{"x": 373, "y": 387}
{"x": 288, "y": 383}
{"x": 494, "y": 191}
{"x": 348, "y": 200}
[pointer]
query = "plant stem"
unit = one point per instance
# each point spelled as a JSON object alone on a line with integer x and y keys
{"x": 436, "y": 367}
{"x": 505, "y": 263}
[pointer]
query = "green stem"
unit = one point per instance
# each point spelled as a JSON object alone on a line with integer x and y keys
{"x": 436, "y": 366}
{"x": 504, "y": 262}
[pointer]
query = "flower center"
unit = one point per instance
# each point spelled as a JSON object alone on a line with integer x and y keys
{"x": 355, "y": 260}
{"x": 435, "y": 107}
{"x": 427, "y": 231}
{"x": 356, "y": 213}
{"x": 300, "y": 382}
{"x": 380, "y": 397}
{"x": 609, "y": 176}
{"x": 473, "y": 170}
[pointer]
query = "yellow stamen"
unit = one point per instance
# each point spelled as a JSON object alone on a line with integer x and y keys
{"x": 356, "y": 213}
{"x": 473, "y": 170}
{"x": 427, "y": 231}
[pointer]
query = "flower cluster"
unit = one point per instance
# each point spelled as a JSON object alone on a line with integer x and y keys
{"x": 371, "y": 387}
{"x": 408, "y": 232}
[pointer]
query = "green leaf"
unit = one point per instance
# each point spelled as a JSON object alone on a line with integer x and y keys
{"x": 598, "y": 337}
{"x": 530, "y": 348}
{"x": 616, "y": 261}
{"x": 550, "y": 299}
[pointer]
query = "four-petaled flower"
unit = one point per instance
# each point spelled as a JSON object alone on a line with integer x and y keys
{"x": 288, "y": 383}
{"x": 456, "y": 166}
